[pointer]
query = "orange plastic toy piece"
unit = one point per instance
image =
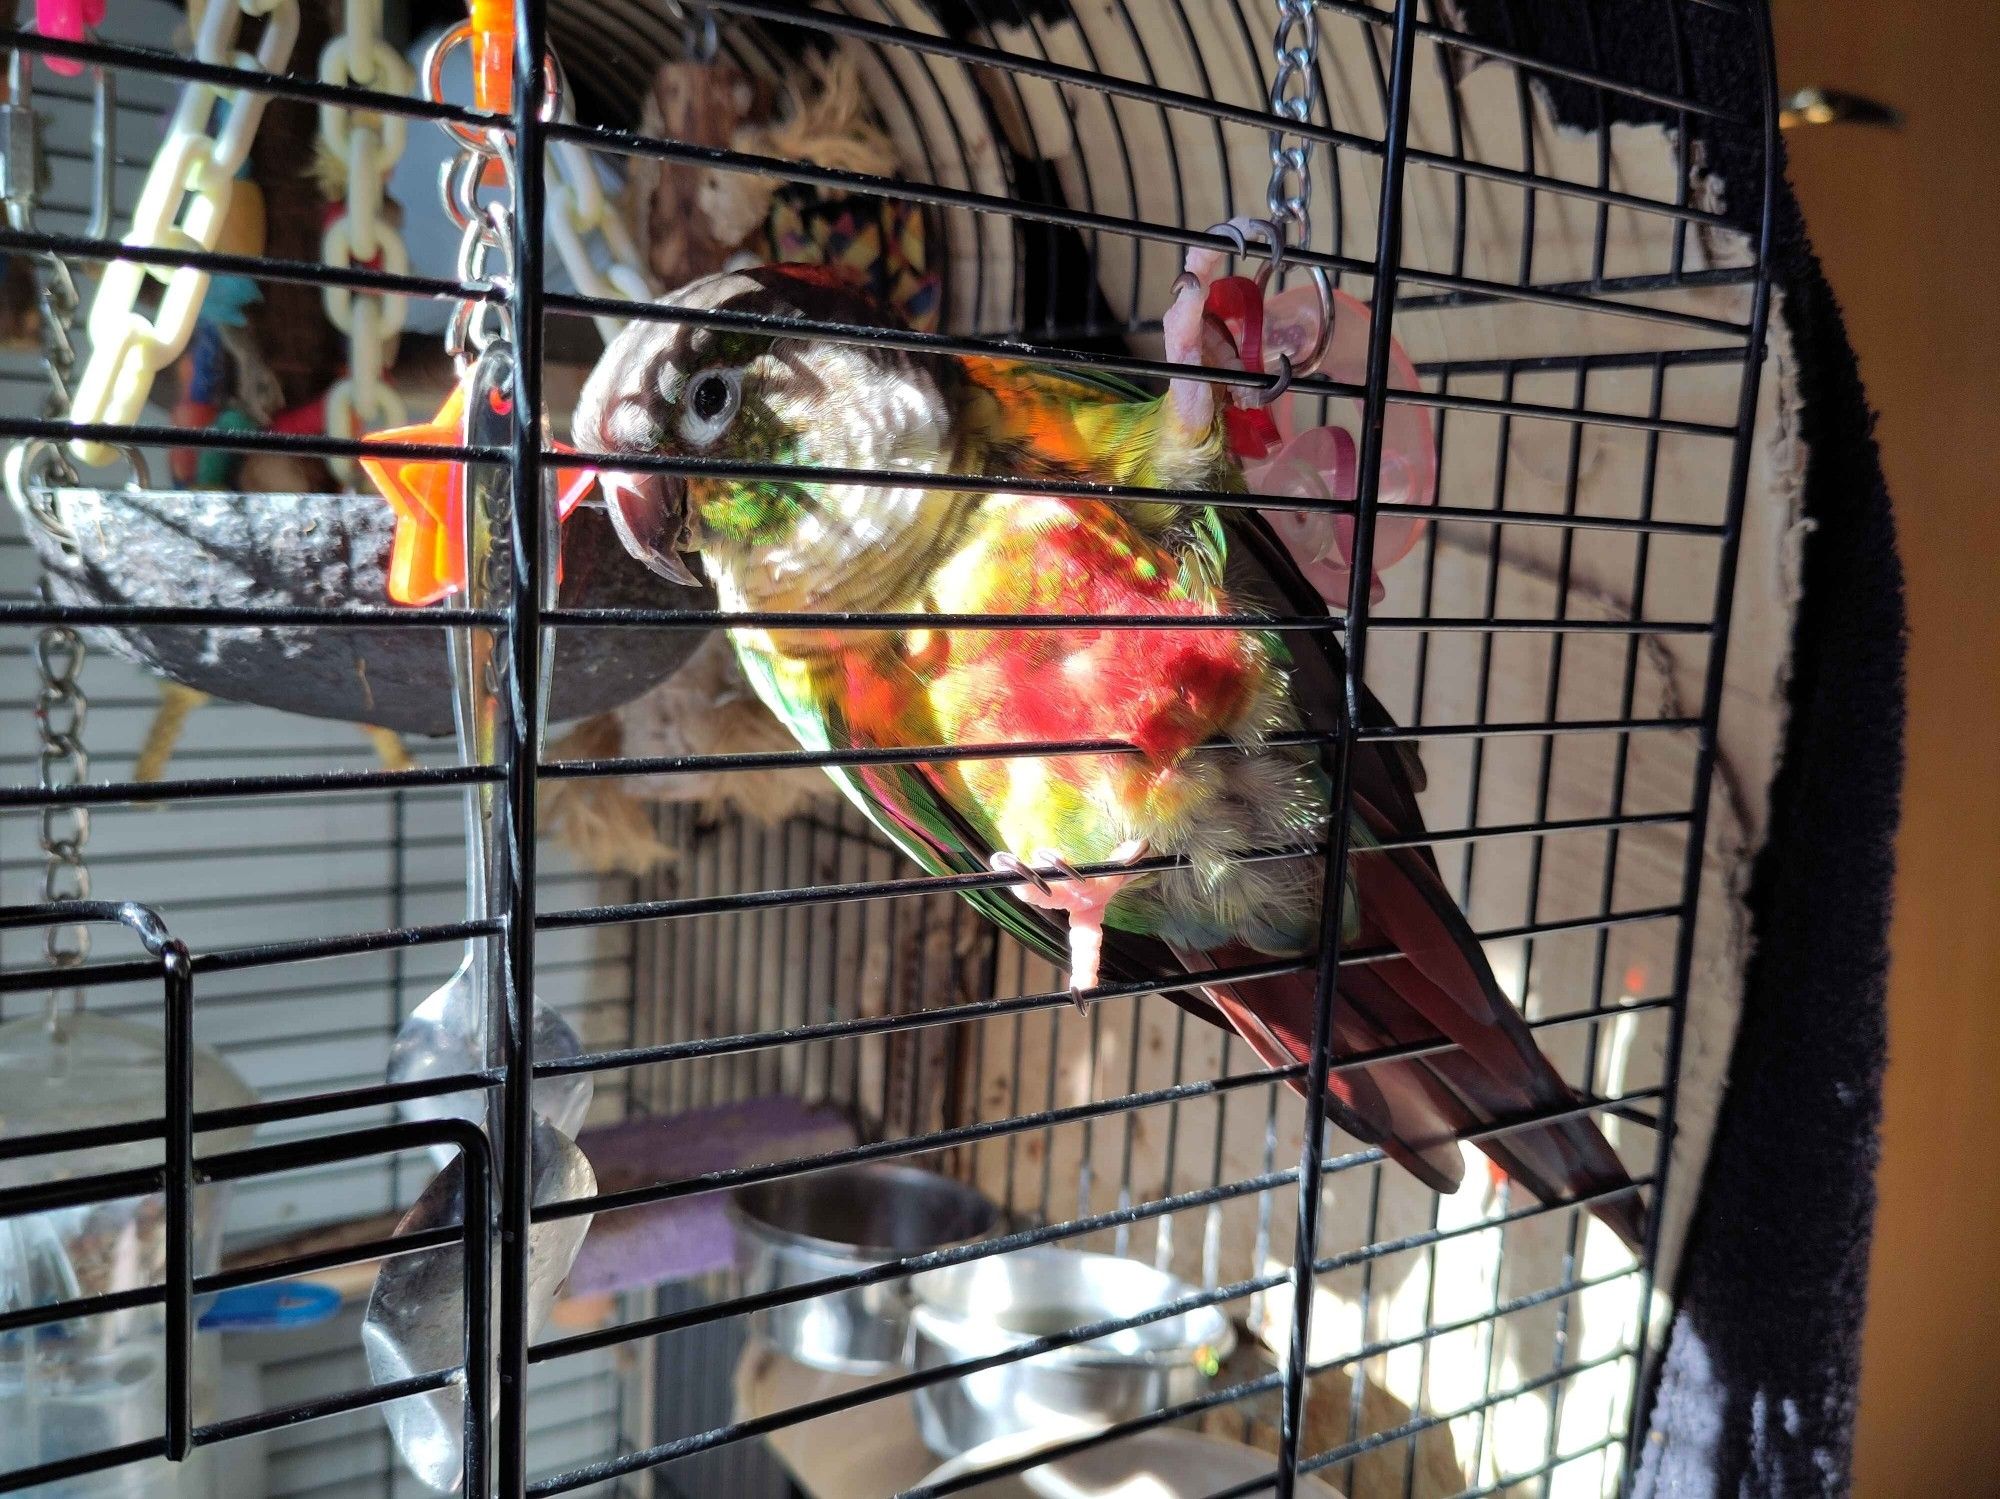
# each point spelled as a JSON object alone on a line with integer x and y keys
{"x": 492, "y": 68}
{"x": 492, "y": 55}
{"x": 427, "y": 559}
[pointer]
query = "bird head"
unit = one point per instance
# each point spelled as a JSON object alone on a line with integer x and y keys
{"x": 723, "y": 391}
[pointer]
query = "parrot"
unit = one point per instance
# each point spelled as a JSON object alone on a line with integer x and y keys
{"x": 1194, "y": 840}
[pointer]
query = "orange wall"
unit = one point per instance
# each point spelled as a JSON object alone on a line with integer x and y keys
{"x": 1908, "y": 225}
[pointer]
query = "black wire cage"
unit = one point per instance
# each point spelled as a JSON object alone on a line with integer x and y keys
{"x": 1558, "y": 254}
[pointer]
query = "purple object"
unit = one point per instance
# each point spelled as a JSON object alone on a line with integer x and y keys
{"x": 689, "y": 1236}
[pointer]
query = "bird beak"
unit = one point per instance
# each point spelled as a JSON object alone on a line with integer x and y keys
{"x": 650, "y": 514}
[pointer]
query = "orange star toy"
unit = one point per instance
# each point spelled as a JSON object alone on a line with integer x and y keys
{"x": 427, "y": 559}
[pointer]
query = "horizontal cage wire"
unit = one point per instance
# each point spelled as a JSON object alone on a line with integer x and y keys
{"x": 611, "y": 1233}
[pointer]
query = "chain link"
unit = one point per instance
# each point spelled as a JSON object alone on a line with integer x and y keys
{"x": 183, "y": 207}
{"x": 370, "y": 144}
{"x": 488, "y": 238}
{"x": 56, "y": 296}
{"x": 576, "y": 211}
{"x": 60, "y": 705}
{"x": 1294, "y": 97}
{"x": 486, "y": 229}
{"x": 578, "y": 208}
{"x": 60, "y": 709}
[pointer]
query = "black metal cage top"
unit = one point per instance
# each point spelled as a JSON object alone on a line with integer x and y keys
{"x": 1586, "y": 347}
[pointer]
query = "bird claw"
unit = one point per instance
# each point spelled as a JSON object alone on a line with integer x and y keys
{"x": 1233, "y": 232}
{"x": 1280, "y": 385}
{"x": 1083, "y": 898}
{"x": 1240, "y": 231}
{"x": 1215, "y": 331}
{"x": 1054, "y": 863}
{"x": 1021, "y": 869}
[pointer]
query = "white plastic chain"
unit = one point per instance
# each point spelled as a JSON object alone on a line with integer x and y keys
{"x": 183, "y": 206}
{"x": 370, "y": 144}
{"x": 577, "y": 208}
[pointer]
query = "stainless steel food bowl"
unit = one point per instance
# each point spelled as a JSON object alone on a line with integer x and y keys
{"x": 1158, "y": 1464}
{"x": 988, "y": 1306}
{"x": 806, "y": 1228}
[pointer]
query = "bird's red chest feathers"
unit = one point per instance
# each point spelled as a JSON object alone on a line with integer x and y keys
{"x": 1163, "y": 689}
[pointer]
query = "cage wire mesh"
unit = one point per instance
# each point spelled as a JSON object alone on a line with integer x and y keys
{"x": 1582, "y": 305}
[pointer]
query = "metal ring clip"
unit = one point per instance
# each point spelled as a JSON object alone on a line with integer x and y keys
{"x": 475, "y": 137}
{"x": 35, "y": 469}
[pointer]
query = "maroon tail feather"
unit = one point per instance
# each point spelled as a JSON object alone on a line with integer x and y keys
{"x": 1441, "y": 989}
{"x": 1396, "y": 1105}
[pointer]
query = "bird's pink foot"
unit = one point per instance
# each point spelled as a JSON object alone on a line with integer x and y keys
{"x": 1192, "y": 339}
{"x": 1217, "y": 322}
{"x": 1083, "y": 900}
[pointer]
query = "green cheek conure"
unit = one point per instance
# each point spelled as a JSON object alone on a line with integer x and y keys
{"x": 1212, "y": 822}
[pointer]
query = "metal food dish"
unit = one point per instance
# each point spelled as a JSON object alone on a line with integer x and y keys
{"x": 194, "y": 548}
{"x": 985, "y": 1307}
{"x": 1160, "y": 1464}
{"x": 806, "y": 1228}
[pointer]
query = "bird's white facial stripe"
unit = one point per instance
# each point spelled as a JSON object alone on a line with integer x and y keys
{"x": 629, "y": 428}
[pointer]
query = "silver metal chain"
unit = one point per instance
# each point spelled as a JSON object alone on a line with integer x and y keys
{"x": 486, "y": 248}
{"x": 485, "y": 253}
{"x": 1294, "y": 97}
{"x": 21, "y": 166}
{"x": 55, "y": 289}
{"x": 60, "y": 704}
{"x": 60, "y": 709}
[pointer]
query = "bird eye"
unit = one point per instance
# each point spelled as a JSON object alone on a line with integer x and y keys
{"x": 709, "y": 405}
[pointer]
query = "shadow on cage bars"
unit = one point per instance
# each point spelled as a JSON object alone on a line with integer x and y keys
{"x": 1282, "y": 404}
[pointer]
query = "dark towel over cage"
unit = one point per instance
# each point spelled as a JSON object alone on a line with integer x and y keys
{"x": 1578, "y": 316}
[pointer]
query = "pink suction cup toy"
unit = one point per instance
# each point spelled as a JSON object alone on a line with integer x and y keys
{"x": 1322, "y": 463}
{"x": 1239, "y": 327}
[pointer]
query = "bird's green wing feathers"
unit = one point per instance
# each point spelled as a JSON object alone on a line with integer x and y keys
{"x": 905, "y": 806}
{"x": 1115, "y": 387}
{"x": 1122, "y": 435}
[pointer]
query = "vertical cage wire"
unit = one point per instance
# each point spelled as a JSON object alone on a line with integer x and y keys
{"x": 744, "y": 906}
